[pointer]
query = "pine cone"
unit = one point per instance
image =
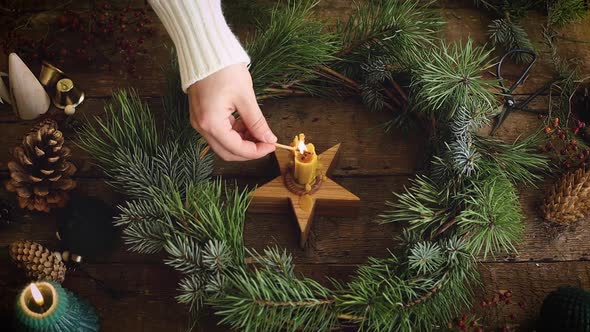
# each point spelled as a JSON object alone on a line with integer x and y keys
{"x": 37, "y": 261}
{"x": 568, "y": 200}
{"x": 41, "y": 173}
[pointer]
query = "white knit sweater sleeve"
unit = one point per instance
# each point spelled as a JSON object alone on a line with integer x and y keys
{"x": 203, "y": 40}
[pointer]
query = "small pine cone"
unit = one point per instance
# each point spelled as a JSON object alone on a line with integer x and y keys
{"x": 37, "y": 261}
{"x": 568, "y": 200}
{"x": 41, "y": 174}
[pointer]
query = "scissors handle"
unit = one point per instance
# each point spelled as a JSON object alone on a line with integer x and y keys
{"x": 523, "y": 74}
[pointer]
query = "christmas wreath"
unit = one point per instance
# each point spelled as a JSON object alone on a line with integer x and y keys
{"x": 460, "y": 208}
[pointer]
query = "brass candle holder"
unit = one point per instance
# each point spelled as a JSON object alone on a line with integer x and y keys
{"x": 61, "y": 88}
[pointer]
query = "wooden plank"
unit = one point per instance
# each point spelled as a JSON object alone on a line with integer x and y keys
{"x": 334, "y": 240}
{"x": 144, "y": 294}
{"x": 99, "y": 81}
{"x": 366, "y": 148}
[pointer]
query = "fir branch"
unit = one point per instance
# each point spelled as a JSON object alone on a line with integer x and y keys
{"x": 262, "y": 300}
{"x": 128, "y": 125}
{"x": 386, "y": 297}
{"x": 509, "y": 36}
{"x": 425, "y": 257}
{"x": 210, "y": 210}
{"x": 462, "y": 154}
{"x": 145, "y": 226}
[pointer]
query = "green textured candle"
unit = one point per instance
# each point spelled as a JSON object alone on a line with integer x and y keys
{"x": 54, "y": 309}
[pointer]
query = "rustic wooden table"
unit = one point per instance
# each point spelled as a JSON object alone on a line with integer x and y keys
{"x": 373, "y": 164}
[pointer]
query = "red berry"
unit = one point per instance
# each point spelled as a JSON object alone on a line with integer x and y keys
{"x": 558, "y": 131}
{"x": 508, "y": 294}
{"x": 547, "y": 130}
{"x": 576, "y": 130}
{"x": 561, "y": 136}
{"x": 472, "y": 324}
{"x": 567, "y": 164}
{"x": 580, "y": 156}
{"x": 563, "y": 152}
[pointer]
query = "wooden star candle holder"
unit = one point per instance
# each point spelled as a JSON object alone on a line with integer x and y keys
{"x": 322, "y": 197}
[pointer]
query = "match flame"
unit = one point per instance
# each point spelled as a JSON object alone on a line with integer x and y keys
{"x": 37, "y": 296}
{"x": 302, "y": 148}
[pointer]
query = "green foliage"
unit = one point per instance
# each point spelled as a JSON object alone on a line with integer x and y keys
{"x": 396, "y": 30}
{"x": 452, "y": 79}
{"x": 424, "y": 205}
{"x": 385, "y": 295}
{"x": 563, "y": 12}
{"x": 289, "y": 49}
{"x": 519, "y": 161}
{"x": 506, "y": 31}
{"x": 508, "y": 35}
{"x": 492, "y": 218}
{"x": 269, "y": 300}
{"x": 466, "y": 206}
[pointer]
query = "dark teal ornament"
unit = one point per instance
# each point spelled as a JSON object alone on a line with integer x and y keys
{"x": 61, "y": 311}
{"x": 85, "y": 227}
{"x": 565, "y": 310}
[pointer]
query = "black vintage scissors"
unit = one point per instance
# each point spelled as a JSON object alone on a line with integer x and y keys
{"x": 510, "y": 104}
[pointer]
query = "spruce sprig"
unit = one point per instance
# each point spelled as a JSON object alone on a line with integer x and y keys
{"x": 424, "y": 297}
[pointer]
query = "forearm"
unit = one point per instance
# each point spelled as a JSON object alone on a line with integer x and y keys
{"x": 204, "y": 42}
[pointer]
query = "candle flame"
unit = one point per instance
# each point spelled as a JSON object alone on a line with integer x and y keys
{"x": 302, "y": 148}
{"x": 37, "y": 296}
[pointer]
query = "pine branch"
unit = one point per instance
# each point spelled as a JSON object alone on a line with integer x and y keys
{"x": 510, "y": 36}
{"x": 491, "y": 220}
{"x": 398, "y": 30}
{"x": 384, "y": 296}
{"x": 563, "y": 12}
{"x": 290, "y": 49}
{"x": 452, "y": 79}
{"x": 520, "y": 162}
{"x": 424, "y": 205}
{"x": 262, "y": 300}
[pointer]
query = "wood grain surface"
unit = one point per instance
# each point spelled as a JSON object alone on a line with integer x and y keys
{"x": 136, "y": 292}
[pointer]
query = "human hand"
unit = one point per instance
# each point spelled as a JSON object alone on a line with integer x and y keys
{"x": 213, "y": 101}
